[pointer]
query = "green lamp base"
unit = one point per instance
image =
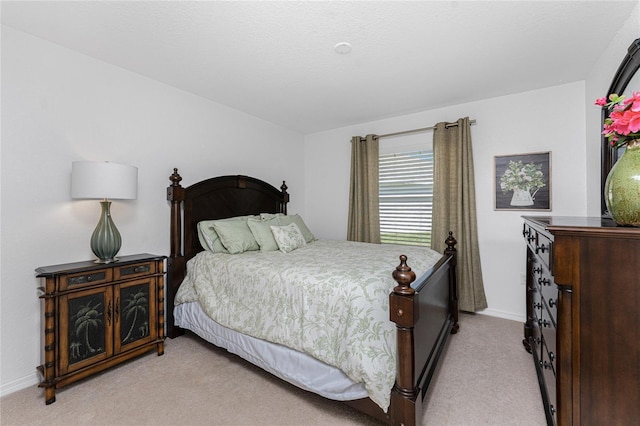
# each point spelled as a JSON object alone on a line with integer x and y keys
{"x": 106, "y": 240}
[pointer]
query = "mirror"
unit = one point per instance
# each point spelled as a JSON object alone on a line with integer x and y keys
{"x": 626, "y": 79}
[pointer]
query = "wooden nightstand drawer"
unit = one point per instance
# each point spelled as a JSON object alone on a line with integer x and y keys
{"x": 135, "y": 270}
{"x": 83, "y": 279}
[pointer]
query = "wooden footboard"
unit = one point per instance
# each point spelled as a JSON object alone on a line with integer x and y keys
{"x": 425, "y": 312}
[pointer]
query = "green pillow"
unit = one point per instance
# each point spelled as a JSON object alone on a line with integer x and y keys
{"x": 260, "y": 228}
{"x": 209, "y": 238}
{"x": 295, "y": 218}
{"x": 236, "y": 236}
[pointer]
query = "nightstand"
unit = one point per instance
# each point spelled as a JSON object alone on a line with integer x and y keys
{"x": 99, "y": 315}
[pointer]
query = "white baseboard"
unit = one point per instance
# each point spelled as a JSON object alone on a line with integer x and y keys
{"x": 19, "y": 384}
{"x": 502, "y": 314}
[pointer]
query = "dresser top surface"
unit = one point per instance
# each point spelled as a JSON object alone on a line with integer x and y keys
{"x": 583, "y": 225}
{"x": 92, "y": 265}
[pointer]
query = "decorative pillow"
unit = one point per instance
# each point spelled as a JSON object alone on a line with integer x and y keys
{"x": 288, "y": 237}
{"x": 295, "y": 218}
{"x": 261, "y": 230}
{"x": 209, "y": 238}
{"x": 236, "y": 236}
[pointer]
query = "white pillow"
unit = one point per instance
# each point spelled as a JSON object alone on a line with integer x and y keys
{"x": 288, "y": 237}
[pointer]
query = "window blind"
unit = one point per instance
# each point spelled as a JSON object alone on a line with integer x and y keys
{"x": 406, "y": 197}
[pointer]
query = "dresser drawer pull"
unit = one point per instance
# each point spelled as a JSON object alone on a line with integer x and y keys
{"x": 537, "y": 305}
{"x": 544, "y": 281}
{"x": 526, "y": 231}
{"x": 541, "y": 248}
{"x": 552, "y": 409}
{"x": 552, "y": 356}
{"x": 546, "y": 365}
{"x": 552, "y": 303}
{"x": 82, "y": 279}
{"x": 537, "y": 270}
{"x": 544, "y": 323}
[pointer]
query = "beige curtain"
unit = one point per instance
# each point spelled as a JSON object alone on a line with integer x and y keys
{"x": 454, "y": 208}
{"x": 364, "y": 211}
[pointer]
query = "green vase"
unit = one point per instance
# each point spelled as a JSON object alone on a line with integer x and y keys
{"x": 622, "y": 187}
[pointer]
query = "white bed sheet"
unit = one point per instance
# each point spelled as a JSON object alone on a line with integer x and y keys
{"x": 295, "y": 367}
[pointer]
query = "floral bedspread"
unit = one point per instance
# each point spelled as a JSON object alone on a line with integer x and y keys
{"x": 329, "y": 299}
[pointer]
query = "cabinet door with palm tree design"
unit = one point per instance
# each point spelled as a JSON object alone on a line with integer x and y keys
{"x": 136, "y": 314}
{"x": 89, "y": 319}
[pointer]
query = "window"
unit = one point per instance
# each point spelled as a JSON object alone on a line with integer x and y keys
{"x": 406, "y": 197}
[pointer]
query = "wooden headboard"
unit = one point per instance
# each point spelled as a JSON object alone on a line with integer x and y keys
{"x": 215, "y": 198}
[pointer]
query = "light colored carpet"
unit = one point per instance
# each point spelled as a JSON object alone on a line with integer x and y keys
{"x": 487, "y": 378}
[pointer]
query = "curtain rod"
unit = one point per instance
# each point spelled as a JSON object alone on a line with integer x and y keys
{"x": 424, "y": 129}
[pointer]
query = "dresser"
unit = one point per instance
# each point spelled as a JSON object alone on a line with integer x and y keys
{"x": 98, "y": 315}
{"x": 583, "y": 310}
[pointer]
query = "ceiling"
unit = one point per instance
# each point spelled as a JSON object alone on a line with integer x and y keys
{"x": 276, "y": 60}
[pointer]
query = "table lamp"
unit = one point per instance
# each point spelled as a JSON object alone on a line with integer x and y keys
{"x": 104, "y": 180}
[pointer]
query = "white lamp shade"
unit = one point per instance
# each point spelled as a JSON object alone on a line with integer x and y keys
{"x": 94, "y": 179}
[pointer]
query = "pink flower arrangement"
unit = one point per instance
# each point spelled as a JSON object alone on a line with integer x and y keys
{"x": 623, "y": 124}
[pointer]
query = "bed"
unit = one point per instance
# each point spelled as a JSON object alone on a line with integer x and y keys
{"x": 422, "y": 311}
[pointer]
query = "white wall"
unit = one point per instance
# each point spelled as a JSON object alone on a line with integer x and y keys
{"x": 550, "y": 119}
{"x": 59, "y": 106}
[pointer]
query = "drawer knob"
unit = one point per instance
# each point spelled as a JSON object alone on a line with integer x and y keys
{"x": 541, "y": 248}
{"x": 537, "y": 270}
{"x": 552, "y": 356}
{"x": 544, "y": 281}
{"x": 552, "y": 303}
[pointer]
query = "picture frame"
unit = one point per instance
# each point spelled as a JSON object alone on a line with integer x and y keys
{"x": 522, "y": 181}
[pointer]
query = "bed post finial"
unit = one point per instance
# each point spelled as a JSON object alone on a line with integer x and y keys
{"x": 175, "y": 178}
{"x": 285, "y": 197}
{"x": 451, "y": 245}
{"x": 404, "y": 276}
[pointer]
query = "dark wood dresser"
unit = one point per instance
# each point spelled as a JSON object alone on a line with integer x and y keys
{"x": 583, "y": 310}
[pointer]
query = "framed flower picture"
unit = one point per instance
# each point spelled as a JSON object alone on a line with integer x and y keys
{"x": 523, "y": 182}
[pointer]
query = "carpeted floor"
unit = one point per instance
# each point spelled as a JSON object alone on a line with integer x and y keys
{"x": 486, "y": 378}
